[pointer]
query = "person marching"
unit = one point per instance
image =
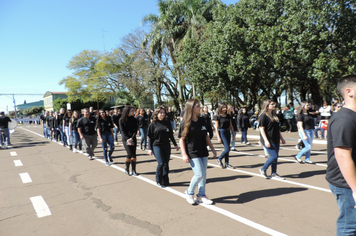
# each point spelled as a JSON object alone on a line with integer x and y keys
{"x": 160, "y": 134}
{"x": 306, "y": 132}
{"x": 233, "y": 114}
{"x": 73, "y": 126}
{"x": 223, "y": 126}
{"x": 60, "y": 126}
{"x": 242, "y": 123}
{"x": 128, "y": 128}
{"x": 104, "y": 128}
{"x": 66, "y": 120}
{"x": 142, "y": 121}
{"x": 49, "y": 125}
{"x": 207, "y": 117}
{"x": 87, "y": 133}
{"x": 115, "y": 120}
{"x": 270, "y": 136}
{"x": 193, "y": 141}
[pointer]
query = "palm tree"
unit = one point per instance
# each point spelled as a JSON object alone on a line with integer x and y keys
{"x": 177, "y": 21}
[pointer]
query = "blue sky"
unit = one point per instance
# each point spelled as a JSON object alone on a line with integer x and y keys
{"x": 39, "y": 37}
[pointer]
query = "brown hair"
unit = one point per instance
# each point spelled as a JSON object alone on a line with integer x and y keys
{"x": 157, "y": 110}
{"x": 272, "y": 115}
{"x": 188, "y": 114}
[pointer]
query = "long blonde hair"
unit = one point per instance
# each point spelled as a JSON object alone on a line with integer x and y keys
{"x": 272, "y": 115}
{"x": 301, "y": 107}
{"x": 188, "y": 114}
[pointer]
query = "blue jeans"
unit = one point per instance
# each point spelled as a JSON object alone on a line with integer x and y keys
{"x": 322, "y": 131}
{"x": 199, "y": 166}
{"x": 244, "y": 135}
{"x": 307, "y": 143}
{"x": 45, "y": 131}
{"x": 162, "y": 154}
{"x": 143, "y": 132}
{"x": 173, "y": 124}
{"x": 77, "y": 140}
{"x": 232, "y": 141}
{"x": 63, "y": 135}
{"x": 69, "y": 138}
{"x": 225, "y": 139}
{"x": 346, "y": 223}
{"x": 107, "y": 139}
{"x": 115, "y": 133}
{"x": 273, "y": 158}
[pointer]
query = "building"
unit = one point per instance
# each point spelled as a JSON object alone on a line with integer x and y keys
{"x": 29, "y": 105}
{"x": 49, "y": 97}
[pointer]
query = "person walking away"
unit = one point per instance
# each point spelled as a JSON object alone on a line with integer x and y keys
{"x": 142, "y": 122}
{"x": 4, "y": 130}
{"x": 87, "y": 133}
{"x": 128, "y": 128}
{"x": 270, "y": 136}
{"x": 160, "y": 134}
{"x": 341, "y": 170}
{"x": 193, "y": 141}
{"x": 223, "y": 126}
{"x": 233, "y": 115}
{"x": 243, "y": 123}
{"x": 306, "y": 132}
{"x": 288, "y": 116}
{"x": 104, "y": 128}
{"x": 115, "y": 120}
{"x": 207, "y": 118}
{"x": 66, "y": 120}
{"x": 73, "y": 126}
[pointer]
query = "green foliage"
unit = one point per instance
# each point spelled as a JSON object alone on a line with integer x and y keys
{"x": 33, "y": 111}
{"x": 77, "y": 104}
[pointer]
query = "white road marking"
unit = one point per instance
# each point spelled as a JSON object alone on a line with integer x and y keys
{"x": 13, "y": 154}
{"x": 18, "y": 163}
{"x": 25, "y": 177}
{"x": 211, "y": 207}
{"x": 40, "y": 206}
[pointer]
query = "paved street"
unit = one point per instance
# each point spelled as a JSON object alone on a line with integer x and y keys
{"x": 88, "y": 198}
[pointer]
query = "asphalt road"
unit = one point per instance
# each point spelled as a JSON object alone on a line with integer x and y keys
{"x": 88, "y": 198}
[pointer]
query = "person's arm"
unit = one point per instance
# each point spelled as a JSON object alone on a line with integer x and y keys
{"x": 210, "y": 144}
{"x": 171, "y": 137}
{"x": 232, "y": 131}
{"x": 264, "y": 136}
{"x": 281, "y": 138}
{"x": 80, "y": 133}
{"x": 99, "y": 135}
{"x": 343, "y": 156}
{"x": 183, "y": 149}
{"x": 70, "y": 128}
{"x": 63, "y": 125}
{"x": 300, "y": 127}
{"x": 217, "y": 130}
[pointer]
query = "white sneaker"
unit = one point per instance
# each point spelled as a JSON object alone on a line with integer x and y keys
{"x": 74, "y": 150}
{"x": 204, "y": 200}
{"x": 80, "y": 151}
{"x": 276, "y": 176}
{"x": 68, "y": 147}
{"x": 189, "y": 198}
{"x": 86, "y": 154}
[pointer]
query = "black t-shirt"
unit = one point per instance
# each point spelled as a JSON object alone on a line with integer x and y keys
{"x": 207, "y": 119}
{"x": 195, "y": 142}
{"x": 308, "y": 121}
{"x": 87, "y": 125}
{"x": 234, "y": 121}
{"x": 43, "y": 118}
{"x": 60, "y": 119}
{"x": 341, "y": 133}
{"x": 4, "y": 122}
{"x": 224, "y": 122}
{"x": 115, "y": 119}
{"x": 104, "y": 125}
{"x": 142, "y": 121}
{"x": 271, "y": 129}
{"x": 159, "y": 134}
{"x": 67, "y": 120}
{"x": 74, "y": 122}
{"x": 129, "y": 128}
{"x": 49, "y": 121}
{"x": 170, "y": 115}
{"x": 149, "y": 117}
{"x": 313, "y": 110}
{"x": 243, "y": 121}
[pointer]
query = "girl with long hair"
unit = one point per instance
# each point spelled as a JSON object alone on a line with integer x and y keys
{"x": 193, "y": 141}
{"x": 104, "y": 129}
{"x": 128, "y": 128}
{"x": 160, "y": 133}
{"x": 223, "y": 126}
{"x": 242, "y": 123}
{"x": 270, "y": 136}
{"x": 306, "y": 132}
{"x": 66, "y": 120}
{"x": 74, "y": 132}
{"x": 142, "y": 121}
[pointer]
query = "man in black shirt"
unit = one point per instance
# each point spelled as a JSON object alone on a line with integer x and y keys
{"x": 87, "y": 133}
{"x": 60, "y": 125}
{"x": 4, "y": 128}
{"x": 341, "y": 170}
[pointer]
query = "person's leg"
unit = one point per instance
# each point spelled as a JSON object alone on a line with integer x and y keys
{"x": 225, "y": 138}
{"x": 197, "y": 165}
{"x": 273, "y": 155}
{"x": 145, "y": 131}
{"x": 158, "y": 152}
{"x": 346, "y": 222}
{"x": 142, "y": 138}
{"x": 290, "y": 125}
{"x": 44, "y": 131}
{"x": 104, "y": 145}
{"x": 7, "y": 131}
{"x": 133, "y": 160}
{"x": 86, "y": 143}
{"x": 232, "y": 141}
{"x": 115, "y": 134}
{"x": 110, "y": 141}
{"x": 75, "y": 139}
{"x": 310, "y": 136}
{"x": 166, "y": 156}
{"x": 306, "y": 149}
{"x": 202, "y": 182}
{"x": 128, "y": 157}
{"x": 94, "y": 142}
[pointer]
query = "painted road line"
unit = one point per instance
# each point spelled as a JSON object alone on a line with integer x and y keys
{"x": 210, "y": 207}
{"x": 31, "y": 132}
{"x": 13, "y": 154}
{"x": 18, "y": 163}
{"x": 25, "y": 177}
{"x": 40, "y": 206}
{"x": 259, "y": 175}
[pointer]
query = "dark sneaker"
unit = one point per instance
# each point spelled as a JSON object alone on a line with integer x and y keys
{"x": 298, "y": 159}
{"x": 220, "y": 163}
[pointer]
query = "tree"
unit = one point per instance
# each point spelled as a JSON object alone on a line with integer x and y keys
{"x": 33, "y": 111}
